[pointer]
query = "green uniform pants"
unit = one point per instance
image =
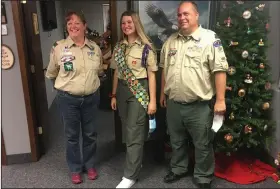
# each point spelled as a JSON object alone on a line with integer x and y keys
{"x": 134, "y": 126}
{"x": 196, "y": 119}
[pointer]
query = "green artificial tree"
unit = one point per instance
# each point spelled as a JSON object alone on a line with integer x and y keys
{"x": 243, "y": 28}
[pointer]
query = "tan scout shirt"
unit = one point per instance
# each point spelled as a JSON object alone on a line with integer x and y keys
{"x": 189, "y": 63}
{"x": 87, "y": 63}
{"x": 133, "y": 58}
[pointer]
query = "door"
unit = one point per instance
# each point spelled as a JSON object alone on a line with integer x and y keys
{"x": 35, "y": 62}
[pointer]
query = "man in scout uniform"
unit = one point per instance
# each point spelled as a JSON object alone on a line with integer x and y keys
{"x": 194, "y": 70}
{"x": 75, "y": 64}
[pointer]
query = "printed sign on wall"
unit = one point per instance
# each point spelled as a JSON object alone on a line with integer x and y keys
{"x": 8, "y": 58}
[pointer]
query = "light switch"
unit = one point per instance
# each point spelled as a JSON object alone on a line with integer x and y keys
{"x": 4, "y": 30}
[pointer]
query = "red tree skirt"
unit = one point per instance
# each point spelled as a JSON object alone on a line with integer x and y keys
{"x": 243, "y": 170}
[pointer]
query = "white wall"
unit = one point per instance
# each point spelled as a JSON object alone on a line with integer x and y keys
{"x": 121, "y": 7}
{"x": 47, "y": 39}
{"x": 91, "y": 9}
{"x": 274, "y": 57}
{"x": 14, "y": 120}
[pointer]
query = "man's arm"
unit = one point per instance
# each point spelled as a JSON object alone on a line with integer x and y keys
{"x": 219, "y": 66}
{"x": 220, "y": 83}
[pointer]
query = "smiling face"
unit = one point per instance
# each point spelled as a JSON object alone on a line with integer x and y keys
{"x": 127, "y": 25}
{"x": 75, "y": 26}
{"x": 187, "y": 17}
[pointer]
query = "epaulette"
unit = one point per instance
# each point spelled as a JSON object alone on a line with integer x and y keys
{"x": 55, "y": 44}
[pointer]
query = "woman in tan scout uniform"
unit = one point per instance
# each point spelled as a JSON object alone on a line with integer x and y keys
{"x": 135, "y": 94}
{"x": 75, "y": 63}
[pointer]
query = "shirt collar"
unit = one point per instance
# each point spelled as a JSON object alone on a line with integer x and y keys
{"x": 137, "y": 41}
{"x": 70, "y": 42}
{"x": 195, "y": 35}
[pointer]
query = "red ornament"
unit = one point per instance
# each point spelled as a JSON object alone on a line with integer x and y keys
{"x": 228, "y": 22}
{"x": 267, "y": 26}
{"x": 247, "y": 129}
{"x": 229, "y": 138}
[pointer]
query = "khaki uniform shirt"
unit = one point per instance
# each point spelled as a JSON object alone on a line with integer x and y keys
{"x": 189, "y": 64}
{"x": 133, "y": 56}
{"x": 86, "y": 63}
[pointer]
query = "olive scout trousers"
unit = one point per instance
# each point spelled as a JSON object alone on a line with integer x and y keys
{"x": 134, "y": 127}
{"x": 196, "y": 119}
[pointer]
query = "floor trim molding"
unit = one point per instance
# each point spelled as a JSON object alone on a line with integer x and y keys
{"x": 19, "y": 158}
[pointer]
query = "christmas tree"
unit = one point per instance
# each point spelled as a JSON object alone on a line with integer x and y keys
{"x": 242, "y": 28}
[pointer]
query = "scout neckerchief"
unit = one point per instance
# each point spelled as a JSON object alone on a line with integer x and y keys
{"x": 133, "y": 84}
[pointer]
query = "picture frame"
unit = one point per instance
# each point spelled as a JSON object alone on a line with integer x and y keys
{"x": 106, "y": 16}
{"x": 168, "y": 10}
{"x": 3, "y": 14}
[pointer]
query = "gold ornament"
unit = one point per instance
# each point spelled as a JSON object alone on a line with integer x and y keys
{"x": 233, "y": 43}
{"x": 249, "y": 79}
{"x": 265, "y": 106}
{"x": 229, "y": 138}
{"x": 245, "y": 54}
{"x": 241, "y": 92}
{"x": 231, "y": 70}
{"x": 267, "y": 86}
{"x": 260, "y": 7}
{"x": 261, "y": 66}
{"x": 261, "y": 43}
{"x": 231, "y": 116}
{"x": 247, "y": 14}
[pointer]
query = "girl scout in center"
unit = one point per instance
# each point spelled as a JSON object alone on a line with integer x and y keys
{"x": 134, "y": 61}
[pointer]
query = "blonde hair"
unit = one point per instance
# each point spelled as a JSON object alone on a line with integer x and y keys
{"x": 138, "y": 27}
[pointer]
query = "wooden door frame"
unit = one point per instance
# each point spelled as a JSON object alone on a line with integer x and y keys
{"x": 25, "y": 77}
{"x": 3, "y": 150}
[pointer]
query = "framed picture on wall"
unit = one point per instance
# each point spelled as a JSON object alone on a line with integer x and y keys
{"x": 3, "y": 13}
{"x": 106, "y": 16}
{"x": 159, "y": 18}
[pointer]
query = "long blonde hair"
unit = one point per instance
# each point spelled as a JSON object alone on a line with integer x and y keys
{"x": 138, "y": 27}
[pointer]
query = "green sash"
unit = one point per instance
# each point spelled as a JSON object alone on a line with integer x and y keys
{"x": 133, "y": 84}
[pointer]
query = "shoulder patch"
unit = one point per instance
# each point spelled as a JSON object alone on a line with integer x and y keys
{"x": 217, "y": 43}
{"x": 55, "y": 44}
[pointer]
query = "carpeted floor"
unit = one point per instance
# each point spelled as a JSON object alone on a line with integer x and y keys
{"x": 52, "y": 172}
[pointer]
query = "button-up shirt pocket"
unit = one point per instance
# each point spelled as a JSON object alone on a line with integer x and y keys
{"x": 94, "y": 62}
{"x": 134, "y": 60}
{"x": 192, "y": 59}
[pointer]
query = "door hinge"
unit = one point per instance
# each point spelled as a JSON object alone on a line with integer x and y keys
{"x": 32, "y": 67}
{"x": 40, "y": 130}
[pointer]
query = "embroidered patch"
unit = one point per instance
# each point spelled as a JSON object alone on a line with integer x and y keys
{"x": 172, "y": 52}
{"x": 68, "y": 66}
{"x": 217, "y": 43}
{"x": 67, "y": 58}
{"x": 55, "y": 44}
{"x": 90, "y": 53}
